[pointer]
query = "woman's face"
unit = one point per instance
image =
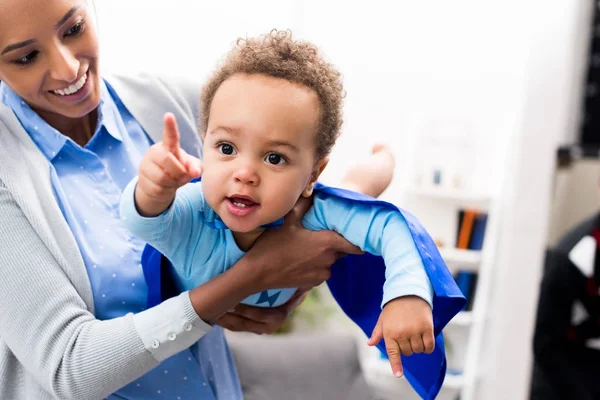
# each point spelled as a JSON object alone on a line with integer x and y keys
{"x": 49, "y": 55}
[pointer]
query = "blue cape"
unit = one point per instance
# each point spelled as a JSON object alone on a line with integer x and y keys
{"x": 356, "y": 283}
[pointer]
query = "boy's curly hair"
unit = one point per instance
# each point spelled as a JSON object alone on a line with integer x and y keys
{"x": 278, "y": 56}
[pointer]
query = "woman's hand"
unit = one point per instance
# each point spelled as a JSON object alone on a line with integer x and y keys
{"x": 290, "y": 256}
{"x": 260, "y": 320}
{"x": 293, "y": 256}
{"x": 286, "y": 262}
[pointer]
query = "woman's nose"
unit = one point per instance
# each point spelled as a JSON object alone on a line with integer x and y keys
{"x": 64, "y": 65}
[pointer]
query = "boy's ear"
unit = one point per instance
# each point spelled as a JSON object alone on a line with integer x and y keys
{"x": 317, "y": 170}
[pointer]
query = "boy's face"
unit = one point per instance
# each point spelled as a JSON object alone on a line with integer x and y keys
{"x": 259, "y": 149}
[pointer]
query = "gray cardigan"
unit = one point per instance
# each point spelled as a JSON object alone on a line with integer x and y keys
{"x": 51, "y": 346}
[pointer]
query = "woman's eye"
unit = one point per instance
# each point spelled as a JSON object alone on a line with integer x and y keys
{"x": 275, "y": 159}
{"x": 27, "y": 59}
{"x": 74, "y": 30}
{"x": 226, "y": 149}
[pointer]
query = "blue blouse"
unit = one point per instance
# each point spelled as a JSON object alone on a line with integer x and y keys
{"x": 88, "y": 182}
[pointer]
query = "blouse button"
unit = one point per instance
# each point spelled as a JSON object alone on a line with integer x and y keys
{"x": 187, "y": 327}
{"x": 155, "y": 344}
{"x": 171, "y": 336}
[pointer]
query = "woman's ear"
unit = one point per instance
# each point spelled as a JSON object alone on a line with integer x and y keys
{"x": 317, "y": 170}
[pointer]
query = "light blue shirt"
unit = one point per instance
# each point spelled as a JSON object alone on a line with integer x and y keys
{"x": 192, "y": 236}
{"x": 88, "y": 183}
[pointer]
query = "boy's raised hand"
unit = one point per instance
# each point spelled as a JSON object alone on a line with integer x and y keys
{"x": 406, "y": 325}
{"x": 165, "y": 168}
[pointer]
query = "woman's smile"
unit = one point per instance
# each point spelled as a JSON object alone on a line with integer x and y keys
{"x": 75, "y": 92}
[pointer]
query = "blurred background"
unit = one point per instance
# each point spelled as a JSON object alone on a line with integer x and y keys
{"x": 475, "y": 98}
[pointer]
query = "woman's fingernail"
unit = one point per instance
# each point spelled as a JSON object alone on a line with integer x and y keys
{"x": 398, "y": 374}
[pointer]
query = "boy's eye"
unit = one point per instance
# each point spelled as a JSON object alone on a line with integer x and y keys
{"x": 226, "y": 149}
{"x": 275, "y": 159}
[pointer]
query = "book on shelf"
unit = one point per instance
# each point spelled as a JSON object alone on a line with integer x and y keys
{"x": 470, "y": 234}
{"x": 467, "y": 283}
{"x": 471, "y": 229}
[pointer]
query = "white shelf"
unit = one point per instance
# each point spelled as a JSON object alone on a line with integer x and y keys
{"x": 379, "y": 375}
{"x": 448, "y": 194}
{"x": 453, "y": 381}
{"x": 460, "y": 259}
{"x": 380, "y": 368}
{"x": 463, "y": 318}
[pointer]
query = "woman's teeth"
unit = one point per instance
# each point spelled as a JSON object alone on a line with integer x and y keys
{"x": 72, "y": 88}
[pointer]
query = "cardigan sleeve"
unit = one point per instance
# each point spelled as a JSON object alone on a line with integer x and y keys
{"x": 46, "y": 324}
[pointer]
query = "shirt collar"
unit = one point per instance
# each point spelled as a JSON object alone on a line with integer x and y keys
{"x": 49, "y": 140}
{"x": 108, "y": 113}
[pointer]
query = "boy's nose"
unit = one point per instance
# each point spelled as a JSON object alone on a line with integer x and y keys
{"x": 247, "y": 176}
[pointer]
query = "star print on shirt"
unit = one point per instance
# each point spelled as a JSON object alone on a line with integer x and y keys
{"x": 264, "y": 297}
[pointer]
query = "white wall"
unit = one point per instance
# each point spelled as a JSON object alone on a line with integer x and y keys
{"x": 547, "y": 117}
{"x": 509, "y": 71}
{"x": 411, "y": 66}
{"x": 182, "y": 37}
{"x": 408, "y": 65}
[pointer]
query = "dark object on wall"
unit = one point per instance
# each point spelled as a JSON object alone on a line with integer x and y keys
{"x": 568, "y": 154}
{"x": 567, "y": 327}
{"x": 590, "y": 123}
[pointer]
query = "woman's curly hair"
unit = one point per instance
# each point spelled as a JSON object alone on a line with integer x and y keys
{"x": 278, "y": 56}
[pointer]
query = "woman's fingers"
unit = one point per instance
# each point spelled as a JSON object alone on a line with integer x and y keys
{"x": 253, "y": 319}
{"x": 297, "y": 213}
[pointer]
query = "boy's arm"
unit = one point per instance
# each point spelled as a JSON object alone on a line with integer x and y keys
{"x": 153, "y": 206}
{"x": 174, "y": 229}
{"x": 380, "y": 231}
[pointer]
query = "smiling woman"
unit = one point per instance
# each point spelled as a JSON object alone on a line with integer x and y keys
{"x": 54, "y": 67}
{"x": 74, "y": 322}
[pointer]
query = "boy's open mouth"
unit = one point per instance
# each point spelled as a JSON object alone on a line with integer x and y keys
{"x": 242, "y": 201}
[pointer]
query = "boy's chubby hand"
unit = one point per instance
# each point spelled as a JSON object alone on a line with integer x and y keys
{"x": 406, "y": 325}
{"x": 165, "y": 168}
